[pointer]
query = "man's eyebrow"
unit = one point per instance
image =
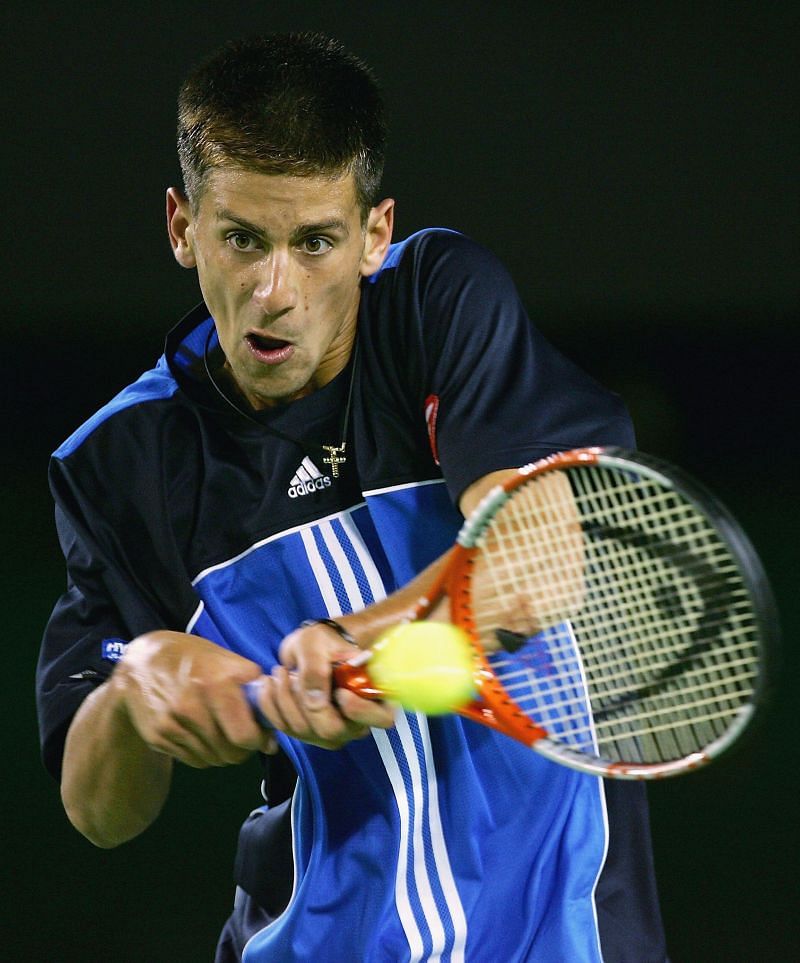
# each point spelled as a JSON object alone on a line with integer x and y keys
{"x": 223, "y": 214}
{"x": 302, "y": 230}
{"x": 335, "y": 224}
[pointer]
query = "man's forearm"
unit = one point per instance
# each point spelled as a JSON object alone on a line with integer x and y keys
{"x": 365, "y": 626}
{"x": 113, "y": 785}
{"x": 174, "y": 696}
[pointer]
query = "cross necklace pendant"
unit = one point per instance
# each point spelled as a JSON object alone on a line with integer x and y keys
{"x": 335, "y": 457}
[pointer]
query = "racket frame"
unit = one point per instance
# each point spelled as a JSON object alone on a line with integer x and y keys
{"x": 495, "y": 708}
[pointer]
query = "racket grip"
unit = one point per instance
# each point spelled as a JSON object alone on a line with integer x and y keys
{"x": 345, "y": 675}
{"x": 251, "y": 692}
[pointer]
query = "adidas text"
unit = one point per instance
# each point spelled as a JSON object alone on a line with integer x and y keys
{"x": 307, "y": 487}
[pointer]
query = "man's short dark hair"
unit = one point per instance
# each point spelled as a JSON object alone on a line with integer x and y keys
{"x": 296, "y": 104}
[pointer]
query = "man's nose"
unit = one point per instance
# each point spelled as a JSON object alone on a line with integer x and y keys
{"x": 276, "y": 290}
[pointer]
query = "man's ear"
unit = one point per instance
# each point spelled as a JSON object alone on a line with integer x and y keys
{"x": 378, "y": 237}
{"x": 180, "y": 227}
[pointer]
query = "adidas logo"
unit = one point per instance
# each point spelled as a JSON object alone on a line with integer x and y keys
{"x": 307, "y": 479}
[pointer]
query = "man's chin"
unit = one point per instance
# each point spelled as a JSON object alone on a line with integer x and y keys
{"x": 274, "y": 395}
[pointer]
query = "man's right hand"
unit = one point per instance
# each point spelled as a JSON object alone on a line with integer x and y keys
{"x": 183, "y": 695}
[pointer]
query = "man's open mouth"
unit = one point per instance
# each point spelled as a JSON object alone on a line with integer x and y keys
{"x": 269, "y": 350}
{"x": 263, "y": 343}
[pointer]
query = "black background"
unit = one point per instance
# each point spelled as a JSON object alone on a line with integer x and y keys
{"x": 635, "y": 166}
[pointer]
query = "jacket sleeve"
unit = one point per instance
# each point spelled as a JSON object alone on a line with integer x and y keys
{"x": 103, "y": 607}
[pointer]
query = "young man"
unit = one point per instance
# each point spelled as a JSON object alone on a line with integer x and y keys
{"x": 303, "y": 451}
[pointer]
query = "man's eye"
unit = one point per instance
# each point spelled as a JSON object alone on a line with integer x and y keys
{"x": 316, "y": 245}
{"x": 240, "y": 242}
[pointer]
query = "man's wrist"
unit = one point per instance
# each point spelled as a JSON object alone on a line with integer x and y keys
{"x": 335, "y": 626}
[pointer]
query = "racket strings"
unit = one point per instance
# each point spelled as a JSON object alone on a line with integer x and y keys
{"x": 698, "y": 580}
{"x": 520, "y": 689}
{"x": 642, "y": 644}
{"x": 563, "y": 708}
{"x": 515, "y": 678}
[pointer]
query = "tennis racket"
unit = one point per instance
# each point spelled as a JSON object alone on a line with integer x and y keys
{"x": 618, "y": 615}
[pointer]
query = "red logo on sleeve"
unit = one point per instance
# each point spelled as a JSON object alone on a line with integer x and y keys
{"x": 431, "y": 411}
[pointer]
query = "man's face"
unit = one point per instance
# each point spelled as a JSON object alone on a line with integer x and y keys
{"x": 279, "y": 261}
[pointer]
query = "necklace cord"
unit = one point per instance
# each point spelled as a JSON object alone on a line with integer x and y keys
{"x": 335, "y": 450}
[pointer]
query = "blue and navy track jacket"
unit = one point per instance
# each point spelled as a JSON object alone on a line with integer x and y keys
{"x": 436, "y": 840}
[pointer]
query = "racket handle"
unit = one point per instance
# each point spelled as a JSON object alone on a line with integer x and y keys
{"x": 251, "y": 692}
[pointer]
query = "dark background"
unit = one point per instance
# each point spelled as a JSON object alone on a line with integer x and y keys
{"x": 634, "y": 164}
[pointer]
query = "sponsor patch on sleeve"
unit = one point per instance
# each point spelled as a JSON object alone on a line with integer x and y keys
{"x": 112, "y": 650}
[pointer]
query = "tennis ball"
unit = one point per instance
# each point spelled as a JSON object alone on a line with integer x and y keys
{"x": 425, "y": 666}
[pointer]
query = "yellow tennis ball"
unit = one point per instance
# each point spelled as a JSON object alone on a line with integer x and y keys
{"x": 425, "y": 666}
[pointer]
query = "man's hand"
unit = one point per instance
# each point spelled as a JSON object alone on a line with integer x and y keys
{"x": 183, "y": 695}
{"x": 297, "y": 696}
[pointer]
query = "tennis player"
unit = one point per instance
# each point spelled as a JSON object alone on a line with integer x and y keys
{"x": 274, "y": 491}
